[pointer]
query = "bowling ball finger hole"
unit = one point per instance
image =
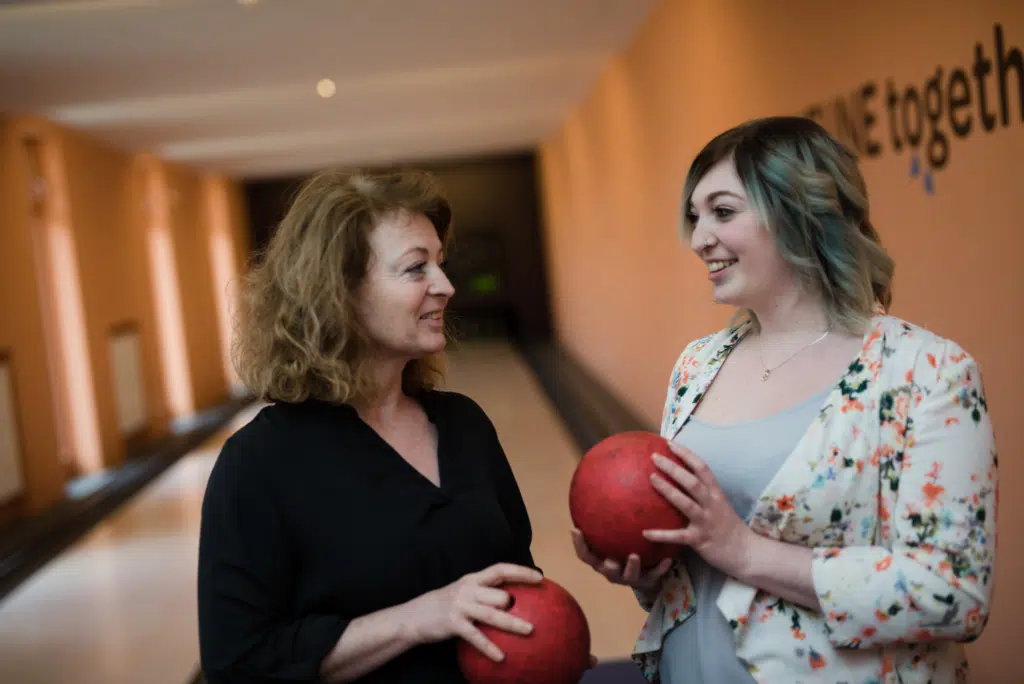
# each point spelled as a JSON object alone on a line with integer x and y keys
{"x": 511, "y": 602}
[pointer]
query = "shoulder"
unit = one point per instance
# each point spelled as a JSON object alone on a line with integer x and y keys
{"x": 247, "y": 450}
{"x": 915, "y": 342}
{"x": 256, "y": 452}
{"x": 241, "y": 471}
{"x": 278, "y": 424}
{"x": 928, "y": 359}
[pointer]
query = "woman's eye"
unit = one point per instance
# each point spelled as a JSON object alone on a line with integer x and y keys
{"x": 416, "y": 268}
{"x": 723, "y": 212}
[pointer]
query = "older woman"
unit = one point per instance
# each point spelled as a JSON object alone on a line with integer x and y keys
{"x": 836, "y": 463}
{"x": 365, "y": 519}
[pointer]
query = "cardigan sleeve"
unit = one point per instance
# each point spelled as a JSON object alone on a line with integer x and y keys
{"x": 933, "y": 579}
{"x": 245, "y": 575}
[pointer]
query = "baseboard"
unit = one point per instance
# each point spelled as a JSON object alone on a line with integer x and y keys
{"x": 589, "y": 409}
{"x": 29, "y": 544}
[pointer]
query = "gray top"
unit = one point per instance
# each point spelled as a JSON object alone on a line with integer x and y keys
{"x": 744, "y": 458}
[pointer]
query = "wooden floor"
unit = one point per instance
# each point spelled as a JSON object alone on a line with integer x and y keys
{"x": 119, "y": 606}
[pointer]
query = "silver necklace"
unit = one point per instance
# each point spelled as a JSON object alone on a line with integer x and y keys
{"x": 768, "y": 371}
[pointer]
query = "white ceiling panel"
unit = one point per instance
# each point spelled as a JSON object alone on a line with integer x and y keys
{"x": 232, "y": 87}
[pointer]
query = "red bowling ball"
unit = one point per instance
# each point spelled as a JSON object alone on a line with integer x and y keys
{"x": 612, "y": 500}
{"x": 557, "y": 651}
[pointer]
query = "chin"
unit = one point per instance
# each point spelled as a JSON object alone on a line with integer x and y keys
{"x": 436, "y": 349}
{"x": 730, "y": 294}
{"x": 433, "y": 345}
{"x": 724, "y": 296}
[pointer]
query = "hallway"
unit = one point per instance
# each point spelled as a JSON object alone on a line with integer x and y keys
{"x": 118, "y": 607}
{"x": 594, "y": 174}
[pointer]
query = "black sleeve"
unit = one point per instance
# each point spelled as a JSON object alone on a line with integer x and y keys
{"x": 509, "y": 496}
{"x": 245, "y": 577}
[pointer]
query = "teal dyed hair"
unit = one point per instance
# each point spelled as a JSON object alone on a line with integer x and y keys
{"x": 807, "y": 190}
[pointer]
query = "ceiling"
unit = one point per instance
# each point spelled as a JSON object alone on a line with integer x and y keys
{"x": 232, "y": 87}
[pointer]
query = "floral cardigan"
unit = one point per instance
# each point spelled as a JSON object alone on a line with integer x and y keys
{"x": 893, "y": 486}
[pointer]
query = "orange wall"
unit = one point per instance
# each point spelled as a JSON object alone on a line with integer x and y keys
{"x": 114, "y": 273}
{"x": 627, "y": 295}
{"x": 238, "y": 233}
{"x": 21, "y": 335}
{"x": 101, "y": 194}
{"x": 190, "y": 227}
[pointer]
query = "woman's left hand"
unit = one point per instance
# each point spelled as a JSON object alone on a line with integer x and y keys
{"x": 714, "y": 531}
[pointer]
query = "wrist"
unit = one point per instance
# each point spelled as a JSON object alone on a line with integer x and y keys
{"x": 407, "y": 618}
{"x": 742, "y": 563}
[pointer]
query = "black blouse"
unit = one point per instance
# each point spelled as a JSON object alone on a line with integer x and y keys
{"x": 311, "y": 519}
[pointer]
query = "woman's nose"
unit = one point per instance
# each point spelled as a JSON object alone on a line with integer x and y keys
{"x": 699, "y": 238}
{"x": 441, "y": 285}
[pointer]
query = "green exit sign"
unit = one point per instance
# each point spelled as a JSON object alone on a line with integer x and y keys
{"x": 485, "y": 283}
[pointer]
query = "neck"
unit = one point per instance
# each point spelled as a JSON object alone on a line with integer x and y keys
{"x": 388, "y": 396}
{"x": 796, "y": 314}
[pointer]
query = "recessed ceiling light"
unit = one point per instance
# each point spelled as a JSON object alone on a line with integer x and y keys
{"x": 325, "y": 88}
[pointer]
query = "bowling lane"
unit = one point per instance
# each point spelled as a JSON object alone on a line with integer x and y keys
{"x": 119, "y": 606}
{"x": 543, "y": 456}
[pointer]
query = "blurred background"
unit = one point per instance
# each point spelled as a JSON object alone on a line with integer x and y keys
{"x": 148, "y": 148}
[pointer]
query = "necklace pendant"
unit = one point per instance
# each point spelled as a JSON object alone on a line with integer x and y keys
{"x": 767, "y": 372}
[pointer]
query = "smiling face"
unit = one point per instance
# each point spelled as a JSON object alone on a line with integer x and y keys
{"x": 744, "y": 264}
{"x": 403, "y": 297}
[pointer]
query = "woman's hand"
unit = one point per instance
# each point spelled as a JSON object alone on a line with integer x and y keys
{"x": 645, "y": 582}
{"x": 714, "y": 531}
{"x": 452, "y": 610}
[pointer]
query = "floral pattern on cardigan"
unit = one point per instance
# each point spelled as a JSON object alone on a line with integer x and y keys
{"x": 894, "y": 488}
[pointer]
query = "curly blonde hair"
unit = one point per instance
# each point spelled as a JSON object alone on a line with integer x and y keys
{"x": 807, "y": 189}
{"x": 297, "y": 335}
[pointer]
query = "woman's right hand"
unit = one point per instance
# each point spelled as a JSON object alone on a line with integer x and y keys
{"x": 646, "y": 582}
{"x": 451, "y": 611}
